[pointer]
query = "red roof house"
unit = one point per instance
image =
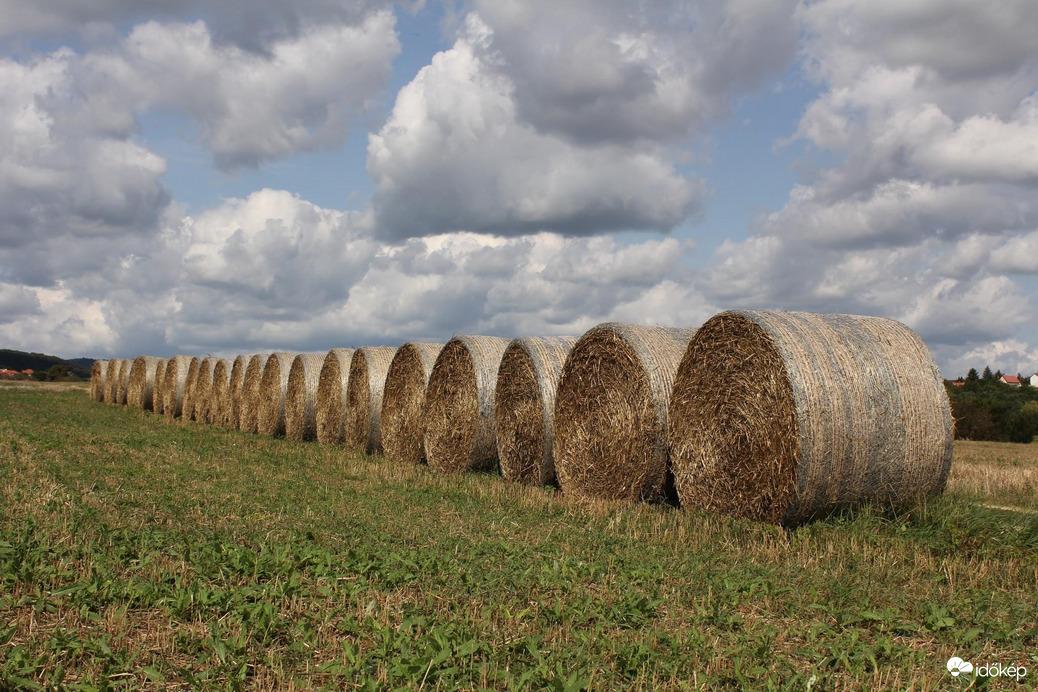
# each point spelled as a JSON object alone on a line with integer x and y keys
{"x": 1011, "y": 380}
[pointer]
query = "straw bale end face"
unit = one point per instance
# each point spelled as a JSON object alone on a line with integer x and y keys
{"x": 331, "y": 395}
{"x": 787, "y": 416}
{"x": 403, "y": 399}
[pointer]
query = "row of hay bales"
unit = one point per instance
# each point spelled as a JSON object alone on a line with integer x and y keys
{"x": 778, "y": 416}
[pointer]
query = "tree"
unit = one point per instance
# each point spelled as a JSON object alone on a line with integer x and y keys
{"x": 972, "y": 375}
{"x": 987, "y": 374}
{"x": 57, "y": 373}
{"x": 998, "y": 375}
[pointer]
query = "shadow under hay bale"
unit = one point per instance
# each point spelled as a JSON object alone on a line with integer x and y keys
{"x": 301, "y": 398}
{"x": 98, "y": 372}
{"x": 460, "y": 429}
{"x": 250, "y": 392}
{"x": 331, "y": 395}
{"x": 525, "y": 403}
{"x": 786, "y": 416}
{"x": 611, "y": 412}
{"x": 402, "y": 400}
{"x": 272, "y": 390}
{"x": 173, "y": 385}
{"x": 141, "y": 390}
{"x": 362, "y": 411}
{"x": 220, "y": 393}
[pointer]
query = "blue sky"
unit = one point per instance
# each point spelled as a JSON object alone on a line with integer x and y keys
{"x": 178, "y": 178}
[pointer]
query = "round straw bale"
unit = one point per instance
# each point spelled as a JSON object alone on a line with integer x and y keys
{"x": 525, "y": 410}
{"x": 112, "y": 380}
{"x": 173, "y": 384}
{"x": 362, "y": 412}
{"x": 158, "y": 389}
{"x": 459, "y": 405}
{"x": 301, "y": 397}
{"x": 611, "y": 411}
{"x": 201, "y": 389}
{"x": 124, "y": 381}
{"x": 141, "y": 389}
{"x": 273, "y": 388}
{"x": 786, "y": 416}
{"x": 234, "y": 390}
{"x": 331, "y": 394}
{"x": 220, "y": 393}
{"x": 401, "y": 420}
{"x": 250, "y": 392}
{"x": 187, "y": 411}
{"x": 97, "y": 379}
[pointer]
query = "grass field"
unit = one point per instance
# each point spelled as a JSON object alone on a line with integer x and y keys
{"x": 138, "y": 552}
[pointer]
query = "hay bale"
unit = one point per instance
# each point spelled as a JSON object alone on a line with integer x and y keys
{"x": 401, "y": 421}
{"x": 218, "y": 411}
{"x": 785, "y": 416}
{"x": 123, "y": 383}
{"x": 201, "y": 389}
{"x": 525, "y": 411}
{"x": 187, "y": 411}
{"x": 611, "y": 411}
{"x": 235, "y": 387}
{"x": 301, "y": 398}
{"x": 362, "y": 412}
{"x": 250, "y": 392}
{"x": 173, "y": 385}
{"x": 331, "y": 394}
{"x": 459, "y": 405}
{"x": 141, "y": 390}
{"x": 112, "y": 380}
{"x": 98, "y": 371}
{"x": 272, "y": 390}
{"x": 158, "y": 389}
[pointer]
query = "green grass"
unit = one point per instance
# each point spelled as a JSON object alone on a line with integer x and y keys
{"x": 138, "y": 552}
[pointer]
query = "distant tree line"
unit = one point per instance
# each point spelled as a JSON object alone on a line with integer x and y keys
{"x": 986, "y": 409}
{"x": 41, "y": 364}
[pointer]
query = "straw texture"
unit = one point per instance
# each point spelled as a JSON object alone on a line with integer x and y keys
{"x": 111, "y": 387}
{"x": 234, "y": 391}
{"x": 331, "y": 395}
{"x": 402, "y": 422}
{"x": 363, "y": 410}
{"x": 173, "y": 384}
{"x": 611, "y": 411}
{"x": 786, "y": 416}
{"x": 98, "y": 371}
{"x": 202, "y": 389}
{"x": 459, "y": 405}
{"x": 141, "y": 390}
{"x": 250, "y": 392}
{"x": 191, "y": 387}
{"x": 301, "y": 398}
{"x": 158, "y": 389}
{"x": 526, "y": 384}
{"x": 272, "y": 391}
{"x": 220, "y": 393}
{"x": 124, "y": 381}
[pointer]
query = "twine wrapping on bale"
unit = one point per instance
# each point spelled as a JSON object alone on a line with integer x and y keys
{"x": 173, "y": 384}
{"x": 459, "y": 405}
{"x": 112, "y": 381}
{"x": 401, "y": 421}
{"x": 234, "y": 391}
{"x": 124, "y": 381}
{"x": 250, "y": 392}
{"x": 301, "y": 398}
{"x": 331, "y": 394}
{"x": 141, "y": 390}
{"x": 526, "y": 384}
{"x": 272, "y": 391}
{"x": 362, "y": 412}
{"x": 611, "y": 412}
{"x": 98, "y": 370}
{"x": 220, "y": 394}
{"x": 158, "y": 390}
{"x": 786, "y": 416}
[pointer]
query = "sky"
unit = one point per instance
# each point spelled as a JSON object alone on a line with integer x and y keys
{"x": 307, "y": 174}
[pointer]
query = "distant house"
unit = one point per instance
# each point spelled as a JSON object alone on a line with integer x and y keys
{"x": 8, "y": 374}
{"x": 1034, "y": 380}
{"x": 956, "y": 383}
{"x": 28, "y": 371}
{"x": 1011, "y": 380}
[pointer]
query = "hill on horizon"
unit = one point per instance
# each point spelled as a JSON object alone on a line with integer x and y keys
{"x": 23, "y": 360}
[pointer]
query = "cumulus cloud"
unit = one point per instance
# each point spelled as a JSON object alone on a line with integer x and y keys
{"x": 455, "y": 157}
